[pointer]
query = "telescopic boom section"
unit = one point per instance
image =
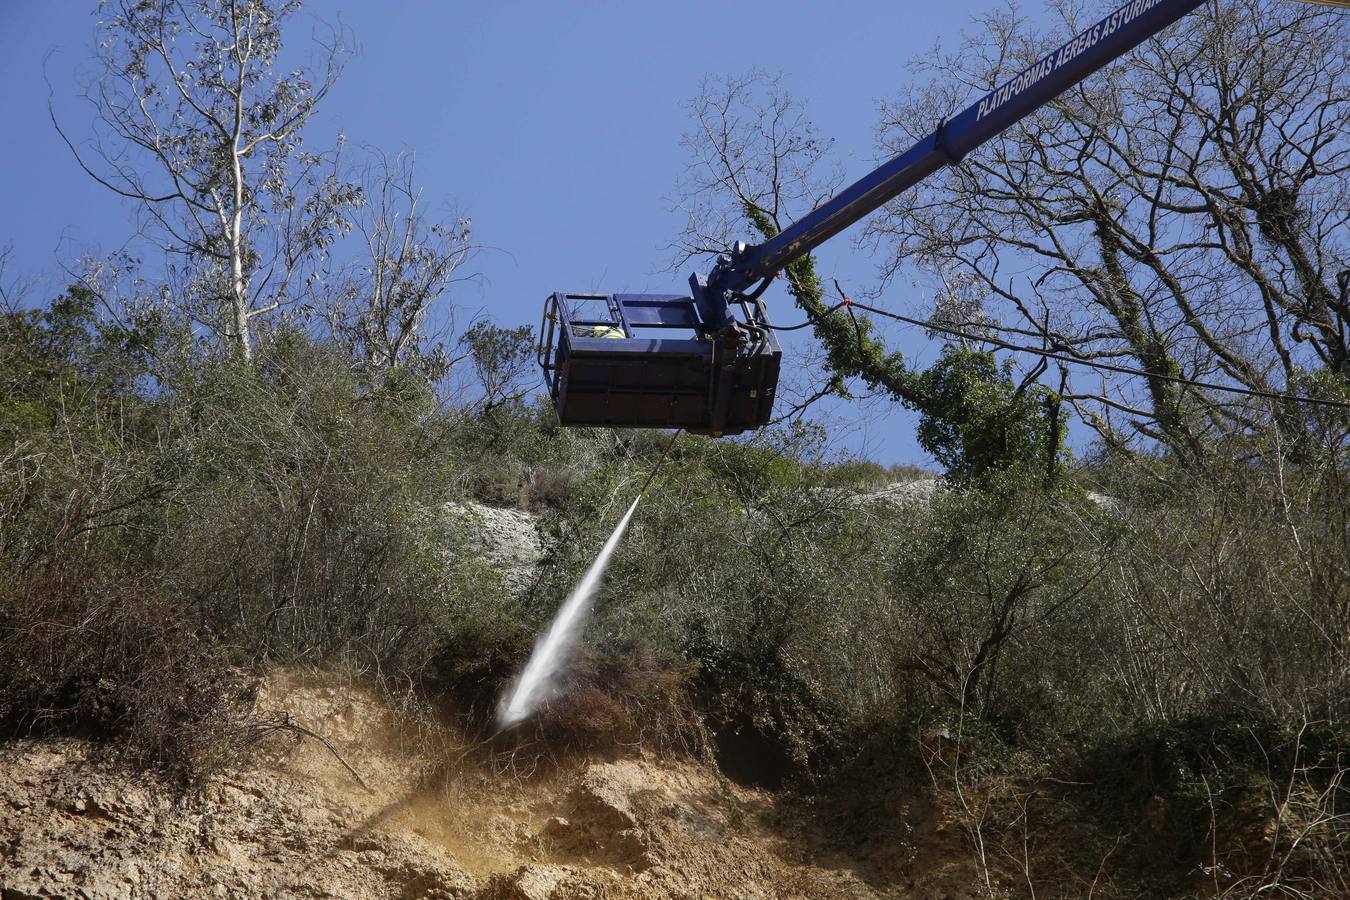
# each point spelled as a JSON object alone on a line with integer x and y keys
{"x": 672, "y": 361}
{"x": 1112, "y": 37}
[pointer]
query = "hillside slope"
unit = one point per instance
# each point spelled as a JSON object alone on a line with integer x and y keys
{"x": 448, "y": 823}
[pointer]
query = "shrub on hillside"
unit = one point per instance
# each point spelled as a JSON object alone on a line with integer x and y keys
{"x": 165, "y": 515}
{"x": 993, "y": 595}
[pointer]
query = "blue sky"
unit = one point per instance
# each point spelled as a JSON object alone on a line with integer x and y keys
{"x": 555, "y": 126}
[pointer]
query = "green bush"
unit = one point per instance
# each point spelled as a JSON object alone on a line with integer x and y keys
{"x": 171, "y": 521}
{"x": 167, "y": 516}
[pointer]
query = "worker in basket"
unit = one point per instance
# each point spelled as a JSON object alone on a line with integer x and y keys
{"x": 598, "y": 331}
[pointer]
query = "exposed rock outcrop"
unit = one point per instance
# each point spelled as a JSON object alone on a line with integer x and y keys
{"x": 505, "y": 539}
{"x": 906, "y": 493}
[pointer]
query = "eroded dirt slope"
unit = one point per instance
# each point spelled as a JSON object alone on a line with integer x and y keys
{"x": 432, "y": 823}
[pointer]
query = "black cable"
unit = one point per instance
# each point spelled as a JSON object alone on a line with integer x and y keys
{"x": 660, "y": 462}
{"x": 799, "y": 327}
{"x": 1109, "y": 367}
{"x": 1066, "y": 358}
{"x": 759, "y": 291}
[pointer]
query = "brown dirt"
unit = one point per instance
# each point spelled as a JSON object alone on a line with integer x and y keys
{"x": 442, "y": 823}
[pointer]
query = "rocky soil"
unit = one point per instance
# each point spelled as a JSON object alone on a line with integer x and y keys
{"x": 437, "y": 819}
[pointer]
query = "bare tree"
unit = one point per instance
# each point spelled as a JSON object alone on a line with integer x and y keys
{"x": 13, "y": 290}
{"x": 382, "y": 306}
{"x": 757, "y": 163}
{"x": 1184, "y": 212}
{"x": 753, "y": 153}
{"x": 195, "y": 123}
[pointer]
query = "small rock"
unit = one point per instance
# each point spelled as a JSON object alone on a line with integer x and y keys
{"x": 603, "y": 825}
{"x": 601, "y": 799}
{"x": 529, "y": 882}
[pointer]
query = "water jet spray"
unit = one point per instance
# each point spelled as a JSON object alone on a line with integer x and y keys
{"x": 551, "y": 652}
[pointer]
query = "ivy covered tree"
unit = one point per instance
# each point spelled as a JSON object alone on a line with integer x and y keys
{"x": 1182, "y": 212}
{"x": 758, "y": 163}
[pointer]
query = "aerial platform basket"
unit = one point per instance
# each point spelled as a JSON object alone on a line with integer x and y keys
{"x": 648, "y": 361}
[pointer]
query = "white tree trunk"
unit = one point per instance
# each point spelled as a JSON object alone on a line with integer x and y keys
{"x": 238, "y": 282}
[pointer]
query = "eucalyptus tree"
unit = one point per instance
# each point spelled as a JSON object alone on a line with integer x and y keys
{"x": 199, "y": 116}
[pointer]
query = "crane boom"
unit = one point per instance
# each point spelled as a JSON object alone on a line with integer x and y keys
{"x": 1020, "y": 96}
{"x": 624, "y": 365}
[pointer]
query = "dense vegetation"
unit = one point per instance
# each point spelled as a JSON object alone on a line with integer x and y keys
{"x": 1155, "y": 663}
{"x": 1124, "y": 673}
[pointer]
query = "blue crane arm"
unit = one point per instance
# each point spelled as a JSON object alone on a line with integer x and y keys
{"x": 723, "y": 379}
{"x": 1088, "y": 51}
